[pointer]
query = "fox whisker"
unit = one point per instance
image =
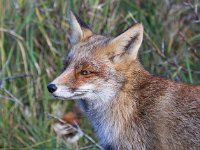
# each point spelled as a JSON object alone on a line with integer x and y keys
{"x": 85, "y": 90}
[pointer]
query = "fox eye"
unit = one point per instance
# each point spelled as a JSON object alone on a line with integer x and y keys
{"x": 85, "y": 72}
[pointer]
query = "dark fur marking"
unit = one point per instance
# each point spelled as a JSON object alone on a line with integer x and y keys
{"x": 109, "y": 147}
{"x": 131, "y": 41}
{"x": 82, "y": 24}
{"x": 84, "y": 104}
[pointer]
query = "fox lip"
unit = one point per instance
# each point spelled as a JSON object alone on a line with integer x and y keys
{"x": 71, "y": 97}
{"x": 58, "y": 97}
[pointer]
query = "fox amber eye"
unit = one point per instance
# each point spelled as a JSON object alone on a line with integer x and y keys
{"x": 85, "y": 72}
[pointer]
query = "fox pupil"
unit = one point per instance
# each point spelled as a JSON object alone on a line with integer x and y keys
{"x": 85, "y": 72}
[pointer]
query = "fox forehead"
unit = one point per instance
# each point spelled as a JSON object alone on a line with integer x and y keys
{"x": 88, "y": 48}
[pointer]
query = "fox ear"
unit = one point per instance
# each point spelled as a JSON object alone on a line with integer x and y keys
{"x": 127, "y": 44}
{"x": 79, "y": 30}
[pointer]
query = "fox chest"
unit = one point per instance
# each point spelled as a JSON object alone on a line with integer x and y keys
{"x": 114, "y": 134}
{"x": 112, "y": 130}
{"x": 107, "y": 132}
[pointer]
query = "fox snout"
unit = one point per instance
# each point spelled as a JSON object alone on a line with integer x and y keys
{"x": 52, "y": 88}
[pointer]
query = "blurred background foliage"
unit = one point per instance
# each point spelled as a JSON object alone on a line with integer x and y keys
{"x": 34, "y": 41}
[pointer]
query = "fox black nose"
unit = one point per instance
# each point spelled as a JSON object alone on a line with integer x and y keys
{"x": 52, "y": 88}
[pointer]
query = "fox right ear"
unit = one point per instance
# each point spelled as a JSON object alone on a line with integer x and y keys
{"x": 80, "y": 31}
{"x": 126, "y": 45}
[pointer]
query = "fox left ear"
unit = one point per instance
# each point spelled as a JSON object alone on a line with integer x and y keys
{"x": 127, "y": 44}
{"x": 80, "y": 31}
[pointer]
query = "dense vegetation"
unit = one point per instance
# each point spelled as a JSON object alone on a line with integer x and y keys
{"x": 34, "y": 41}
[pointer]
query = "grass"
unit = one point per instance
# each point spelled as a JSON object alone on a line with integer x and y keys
{"x": 33, "y": 40}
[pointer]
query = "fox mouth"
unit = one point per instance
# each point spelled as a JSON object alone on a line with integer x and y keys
{"x": 76, "y": 96}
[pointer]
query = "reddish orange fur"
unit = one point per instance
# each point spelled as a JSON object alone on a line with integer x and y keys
{"x": 128, "y": 107}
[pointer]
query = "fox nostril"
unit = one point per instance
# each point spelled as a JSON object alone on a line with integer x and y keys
{"x": 52, "y": 88}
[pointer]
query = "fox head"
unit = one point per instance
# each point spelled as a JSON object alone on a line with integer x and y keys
{"x": 95, "y": 68}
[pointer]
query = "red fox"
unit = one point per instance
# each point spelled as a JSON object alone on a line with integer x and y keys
{"x": 129, "y": 108}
